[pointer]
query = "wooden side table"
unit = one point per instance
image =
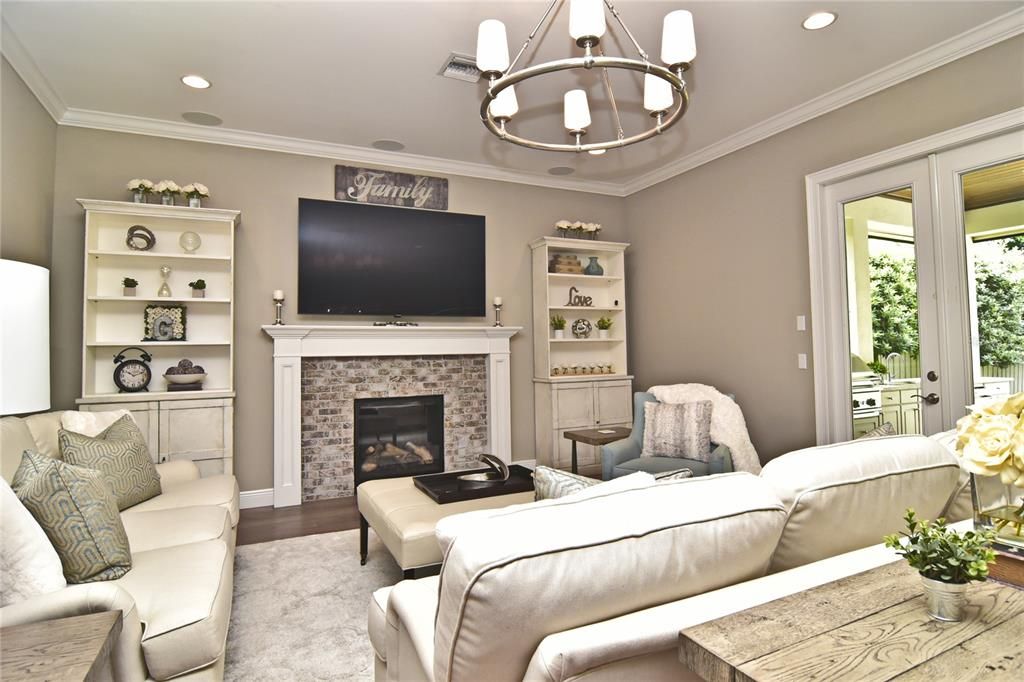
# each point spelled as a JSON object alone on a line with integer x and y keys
{"x": 596, "y": 437}
{"x": 75, "y": 648}
{"x": 869, "y": 626}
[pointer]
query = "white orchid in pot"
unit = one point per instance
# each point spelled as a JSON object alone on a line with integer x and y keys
{"x": 167, "y": 189}
{"x": 990, "y": 443}
{"x": 195, "y": 192}
{"x": 140, "y": 187}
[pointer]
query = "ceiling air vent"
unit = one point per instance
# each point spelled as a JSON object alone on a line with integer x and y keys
{"x": 461, "y": 67}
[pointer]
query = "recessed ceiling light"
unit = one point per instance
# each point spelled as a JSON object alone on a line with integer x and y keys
{"x": 202, "y": 118}
{"x": 194, "y": 81}
{"x": 597, "y": 152}
{"x": 820, "y": 20}
{"x": 388, "y": 145}
{"x": 561, "y": 170}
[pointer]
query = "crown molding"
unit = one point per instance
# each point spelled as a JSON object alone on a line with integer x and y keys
{"x": 985, "y": 35}
{"x": 124, "y": 123}
{"x": 22, "y": 62}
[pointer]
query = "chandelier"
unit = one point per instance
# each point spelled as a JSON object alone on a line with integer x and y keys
{"x": 586, "y": 26}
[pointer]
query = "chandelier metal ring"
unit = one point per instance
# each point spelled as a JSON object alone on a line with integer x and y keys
{"x": 497, "y": 127}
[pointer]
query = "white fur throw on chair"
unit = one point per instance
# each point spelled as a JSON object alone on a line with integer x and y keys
{"x": 727, "y": 424}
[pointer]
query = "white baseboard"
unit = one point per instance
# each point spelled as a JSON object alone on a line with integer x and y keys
{"x": 247, "y": 499}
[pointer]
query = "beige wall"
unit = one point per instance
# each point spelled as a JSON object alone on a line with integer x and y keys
{"x": 265, "y": 186}
{"x": 28, "y": 140}
{"x": 718, "y": 270}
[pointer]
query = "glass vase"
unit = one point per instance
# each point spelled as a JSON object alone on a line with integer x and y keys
{"x": 139, "y": 197}
{"x": 195, "y": 202}
{"x": 167, "y": 199}
{"x": 999, "y": 507}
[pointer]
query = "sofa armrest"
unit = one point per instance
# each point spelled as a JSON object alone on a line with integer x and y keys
{"x": 410, "y": 617}
{"x": 177, "y": 472}
{"x": 616, "y": 453}
{"x": 721, "y": 460}
{"x": 79, "y": 600}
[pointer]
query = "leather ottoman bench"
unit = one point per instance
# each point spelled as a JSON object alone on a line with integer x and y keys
{"x": 404, "y": 519}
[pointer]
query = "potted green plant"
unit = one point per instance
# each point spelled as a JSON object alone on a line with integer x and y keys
{"x": 879, "y": 368}
{"x": 603, "y": 325}
{"x": 558, "y": 324}
{"x": 129, "y": 284}
{"x": 947, "y": 561}
{"x": 198, "y": 288}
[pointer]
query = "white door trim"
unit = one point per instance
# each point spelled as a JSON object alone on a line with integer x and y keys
{"x": 828, "y": 265}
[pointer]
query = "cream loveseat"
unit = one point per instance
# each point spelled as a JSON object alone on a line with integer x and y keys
{"x": 176, "y": 599}
{"x": 598, "y": 589}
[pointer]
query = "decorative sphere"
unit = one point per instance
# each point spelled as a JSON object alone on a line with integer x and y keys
{"x": 190, "y": 242}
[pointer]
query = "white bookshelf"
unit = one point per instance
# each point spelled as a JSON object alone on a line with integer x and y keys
{"x": 585, "y": 400}
{"x": 112, "y": 321}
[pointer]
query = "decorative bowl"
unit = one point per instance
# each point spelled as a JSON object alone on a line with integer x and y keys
{"x": 185, "y": 378}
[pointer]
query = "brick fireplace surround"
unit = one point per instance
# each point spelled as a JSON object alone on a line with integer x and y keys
{"x": 347, "y": 354}
{"x": 331, "y": 385}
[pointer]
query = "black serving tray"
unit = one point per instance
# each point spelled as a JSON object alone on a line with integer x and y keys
{"x": 445, "y": 488}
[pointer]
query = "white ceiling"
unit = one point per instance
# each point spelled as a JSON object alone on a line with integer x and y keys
{"x": 350, "y": 73}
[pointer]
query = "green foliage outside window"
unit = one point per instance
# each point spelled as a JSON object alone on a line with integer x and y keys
{"x": 1000, "y": 316}
{"x": 893, "y": 305}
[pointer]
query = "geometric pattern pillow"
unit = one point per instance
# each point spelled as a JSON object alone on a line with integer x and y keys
{"x": 886, "y": 429}
{"x": 125, "y": 464}
{"x": 79, "y": 516}
{"x": 675, "y": 475}
{"x": 31, "y": 464}
{"x": 678, "y": 430}
{"x": 549, "y": 484}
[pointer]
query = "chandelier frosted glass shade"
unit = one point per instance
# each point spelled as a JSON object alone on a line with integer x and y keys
{"x": 665, "y": 95}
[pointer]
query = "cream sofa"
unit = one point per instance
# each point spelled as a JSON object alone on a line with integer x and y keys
{"x": 598, "y": 589}
{"x": 176, "y": 599}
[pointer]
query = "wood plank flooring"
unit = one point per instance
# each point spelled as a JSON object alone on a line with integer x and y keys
{"x": 264, "y": 524}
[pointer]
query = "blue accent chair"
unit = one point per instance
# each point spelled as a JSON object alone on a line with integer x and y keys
{"x": 622, "y": 458}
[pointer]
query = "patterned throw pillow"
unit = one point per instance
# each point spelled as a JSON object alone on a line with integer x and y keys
{"x": 674, "y": 475}
{"x": 31, "y": 464}
{"x": 79, "y": 515}
{"x": 120, "y": 453}
{"x": 886, "y": 429}
{"x": 549, "y": 484}
{"x": 678, "y": 430}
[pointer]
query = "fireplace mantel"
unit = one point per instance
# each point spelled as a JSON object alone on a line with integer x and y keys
{"x": 294, "y": 342}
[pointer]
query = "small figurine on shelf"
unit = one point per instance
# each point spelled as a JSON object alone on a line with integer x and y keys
{"x": 139, "y": 189}
{"x": 128, "y": 285}
{"x": 558, "y": 324}
{"x": 195, "y": 193}
{"x": 198, "y": 288}
{"x": 604, "y": 324}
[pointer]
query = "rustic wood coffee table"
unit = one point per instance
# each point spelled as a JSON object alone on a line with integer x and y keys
{"x": 869, "y": 626}
{"x": 75, "y": 648}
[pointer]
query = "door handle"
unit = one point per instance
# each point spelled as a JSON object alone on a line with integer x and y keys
{"x": 931, "y": 398}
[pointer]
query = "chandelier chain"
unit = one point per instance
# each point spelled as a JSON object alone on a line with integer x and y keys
{"x": 618, "y": 18}
{"x": 533, "y": 33}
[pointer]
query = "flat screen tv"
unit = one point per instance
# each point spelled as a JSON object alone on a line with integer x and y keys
{"x": 361, "y": 259}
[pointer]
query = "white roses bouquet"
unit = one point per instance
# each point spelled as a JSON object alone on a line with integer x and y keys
{"x": 140, "y": 185}
{"x": 577, "y": 228}
{"x": 195, "y": 190}
{"x": 990, "y": 440}
{"x": 167, "y": 188}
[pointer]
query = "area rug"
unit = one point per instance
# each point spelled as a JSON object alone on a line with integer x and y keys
{"x": 300, "y": 608}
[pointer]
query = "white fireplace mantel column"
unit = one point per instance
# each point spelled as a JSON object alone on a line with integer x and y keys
{"x": 294, "y": 342}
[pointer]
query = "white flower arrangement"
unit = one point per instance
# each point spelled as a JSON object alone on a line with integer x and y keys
{"x": 140, "y": 185}
{"x": 990, "y": 441}
{"x": 577, "y": 228}
{"x": 194, "y": 189}
{"x": 167, "y": 187}
{"x": 561, "y": 224}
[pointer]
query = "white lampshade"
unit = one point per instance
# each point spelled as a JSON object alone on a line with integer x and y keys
{"x": 586, "y": 19}
{"x": 505, "y": 105}
{"x": 491, "y": 46}
{"x": 657, "y": 94}
{"x": 577, "y": 111}
{"x": 678, "y": 44}
{"x": 24, "y": 338}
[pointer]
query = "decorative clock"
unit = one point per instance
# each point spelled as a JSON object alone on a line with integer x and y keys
{"x": 132, "y": 375}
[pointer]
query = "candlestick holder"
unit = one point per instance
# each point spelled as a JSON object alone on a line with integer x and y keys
{"x": 497, "y": 315}
{"x": 278, "y": 306}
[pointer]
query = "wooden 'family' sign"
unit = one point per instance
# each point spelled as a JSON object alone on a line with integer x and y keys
{"x": 371, "y": 186}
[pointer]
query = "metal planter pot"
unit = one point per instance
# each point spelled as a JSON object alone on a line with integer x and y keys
{"x": 945, "y": 601}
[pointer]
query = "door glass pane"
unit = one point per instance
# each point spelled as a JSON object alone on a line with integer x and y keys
{"x": 994, "y": 224}
{"x": 881, "y": 271}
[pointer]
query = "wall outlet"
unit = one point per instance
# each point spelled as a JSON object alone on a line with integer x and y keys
{"x": 801, "y": 323}
{"x": 801, "y": 360}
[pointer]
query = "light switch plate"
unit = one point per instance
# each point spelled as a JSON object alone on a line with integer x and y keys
{"x": 801, "y": 323}
{"x": 801, "y": 360}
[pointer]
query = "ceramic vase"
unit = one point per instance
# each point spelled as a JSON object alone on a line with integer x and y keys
{"x": 128, "y": 291}
{"x": 593, "y": 267}
{"x": 559, "y": 333}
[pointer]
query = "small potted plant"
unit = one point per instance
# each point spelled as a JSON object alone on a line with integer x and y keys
{"x": 198, "y": 288}
{"x": 603, "y": 325}
{"x": 167, "y": 189}
{"x": 128, "y": 285}
{"x": 947, "y": 561}
{"x": 879, "y": 368}
{"x": 139, "y": 189}
{"x": 195, "y": 193}
{"x": 558, "y": 324}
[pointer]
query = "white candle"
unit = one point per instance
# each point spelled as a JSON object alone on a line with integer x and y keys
{"x": 278, "y": 295}
{"x": 497, "y": 300}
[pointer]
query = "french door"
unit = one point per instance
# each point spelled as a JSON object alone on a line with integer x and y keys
{"x": 919, "y": 267}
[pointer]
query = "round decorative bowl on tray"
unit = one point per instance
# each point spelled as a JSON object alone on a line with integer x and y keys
{"x": 180, "y": 379}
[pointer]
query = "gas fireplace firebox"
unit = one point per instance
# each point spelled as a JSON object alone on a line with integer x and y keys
{"x": 398, "y": 437}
